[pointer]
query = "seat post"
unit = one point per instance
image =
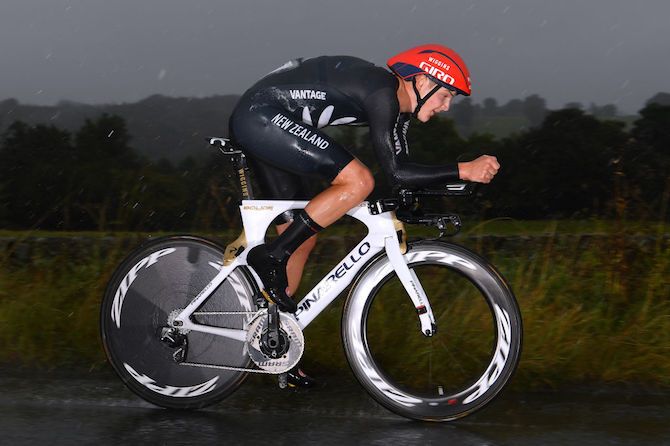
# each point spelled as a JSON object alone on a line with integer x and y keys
{"x": 230, "y": 150}
{"x": 242, "y": 168}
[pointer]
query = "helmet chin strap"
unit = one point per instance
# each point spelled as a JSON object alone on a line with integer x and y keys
{"x": 421, "y": 100}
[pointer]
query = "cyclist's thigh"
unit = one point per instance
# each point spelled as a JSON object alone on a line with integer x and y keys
{"x": 276, "y": 138}
{"x": 279, "y": 184}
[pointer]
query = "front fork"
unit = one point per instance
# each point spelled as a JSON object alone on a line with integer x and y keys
{"x": 412, "y": 285}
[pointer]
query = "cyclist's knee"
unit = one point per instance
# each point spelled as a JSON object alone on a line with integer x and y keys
{"x": 357, "y": 178}
{"x": 366, "y": 183}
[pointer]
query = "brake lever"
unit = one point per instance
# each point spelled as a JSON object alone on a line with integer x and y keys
{"x": 439, "y": 221}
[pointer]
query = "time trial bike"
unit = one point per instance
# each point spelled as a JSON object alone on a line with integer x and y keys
{"x": 431, "y": 330}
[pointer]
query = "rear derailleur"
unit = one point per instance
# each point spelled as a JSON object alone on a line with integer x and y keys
{"x": 174, "y": 339}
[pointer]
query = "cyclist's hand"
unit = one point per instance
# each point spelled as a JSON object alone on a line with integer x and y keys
{"x": 480, "y": 170}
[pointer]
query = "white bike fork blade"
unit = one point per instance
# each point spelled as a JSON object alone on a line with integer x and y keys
{"x": 412, "y": 285}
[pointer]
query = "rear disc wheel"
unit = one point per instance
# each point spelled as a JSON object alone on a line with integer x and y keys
{"x": 146, "y": 291}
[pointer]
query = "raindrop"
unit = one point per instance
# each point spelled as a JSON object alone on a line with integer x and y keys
{"x": 611, "y": 49}
{"x": 110, "y": 134}
{"x": 506, "y": 9}
{"x": 161, "y": 74}
{"x": 543, "y": 23}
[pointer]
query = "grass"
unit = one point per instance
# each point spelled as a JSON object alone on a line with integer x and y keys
{"x": 598, "y": 311}
{"x": 495, "y": 227}
{"x": 595, "y": 309}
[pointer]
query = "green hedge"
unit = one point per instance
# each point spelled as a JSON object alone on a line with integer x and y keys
{"x": 596, "y": 308}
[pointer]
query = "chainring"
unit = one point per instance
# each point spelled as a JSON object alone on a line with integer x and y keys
{"x": 296, "y": 341}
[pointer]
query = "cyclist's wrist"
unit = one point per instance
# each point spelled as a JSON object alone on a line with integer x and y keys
{"x": 464, "y": 171}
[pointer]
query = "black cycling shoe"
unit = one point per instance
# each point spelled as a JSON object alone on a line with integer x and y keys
{"x": 297, "y": 378}
{"x": 272, "y": 272}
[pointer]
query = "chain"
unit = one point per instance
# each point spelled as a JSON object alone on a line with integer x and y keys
{"x": 224, "y": 313}
{"x": 226, "y": 367}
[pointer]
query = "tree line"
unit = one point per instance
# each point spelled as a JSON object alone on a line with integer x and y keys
{"x": 571, "y": 164}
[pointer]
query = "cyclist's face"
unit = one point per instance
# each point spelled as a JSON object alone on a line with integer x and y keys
{"x": 438, "y": 102}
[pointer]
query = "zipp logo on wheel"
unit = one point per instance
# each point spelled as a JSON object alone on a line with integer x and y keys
{"x": 172, "y": 391}
{"x": 129, "y": 278}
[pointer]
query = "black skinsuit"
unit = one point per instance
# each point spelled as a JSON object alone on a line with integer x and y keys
{"x": 277, "y": 120}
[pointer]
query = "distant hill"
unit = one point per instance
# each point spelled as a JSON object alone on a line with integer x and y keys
{"x": 161, "y": 127}
{"x": 174, "y": 128}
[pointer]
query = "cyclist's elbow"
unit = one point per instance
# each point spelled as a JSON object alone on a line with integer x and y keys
{"x": 398, "y": 179}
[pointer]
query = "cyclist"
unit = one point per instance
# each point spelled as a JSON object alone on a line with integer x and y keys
{"x": 278, "y": 122}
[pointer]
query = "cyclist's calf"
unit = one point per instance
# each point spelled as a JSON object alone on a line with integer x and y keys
{"x": 296, "y": 263}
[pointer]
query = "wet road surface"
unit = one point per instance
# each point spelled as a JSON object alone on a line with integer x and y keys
{"x": 100, "y": 410}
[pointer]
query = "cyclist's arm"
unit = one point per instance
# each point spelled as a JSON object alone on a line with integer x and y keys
{"x": 383, "y": 110}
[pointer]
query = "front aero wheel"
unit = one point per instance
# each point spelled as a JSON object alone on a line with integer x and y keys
{"x": 459, "y": 369}
{"x": 151, "y": 286}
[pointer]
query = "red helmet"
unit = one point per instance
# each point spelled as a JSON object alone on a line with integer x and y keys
{"x": 441, "y": 64}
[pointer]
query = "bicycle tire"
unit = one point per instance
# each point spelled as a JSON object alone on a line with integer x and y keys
{"x": 155, "y": 281}
{"x": 460, "y": 369}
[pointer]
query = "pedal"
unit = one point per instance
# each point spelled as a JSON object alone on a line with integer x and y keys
{"x": 283, "y": 380}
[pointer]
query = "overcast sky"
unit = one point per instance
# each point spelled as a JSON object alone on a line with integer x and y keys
{"x": 113, "y": 51}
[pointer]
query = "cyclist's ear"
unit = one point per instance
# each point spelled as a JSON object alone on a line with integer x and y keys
{"x": 423, "y": 81}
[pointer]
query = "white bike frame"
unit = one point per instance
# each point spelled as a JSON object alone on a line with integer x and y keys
{"x": 258, "y": 215}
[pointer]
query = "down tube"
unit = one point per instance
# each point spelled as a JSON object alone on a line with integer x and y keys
{"x": 335, "y": 282}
